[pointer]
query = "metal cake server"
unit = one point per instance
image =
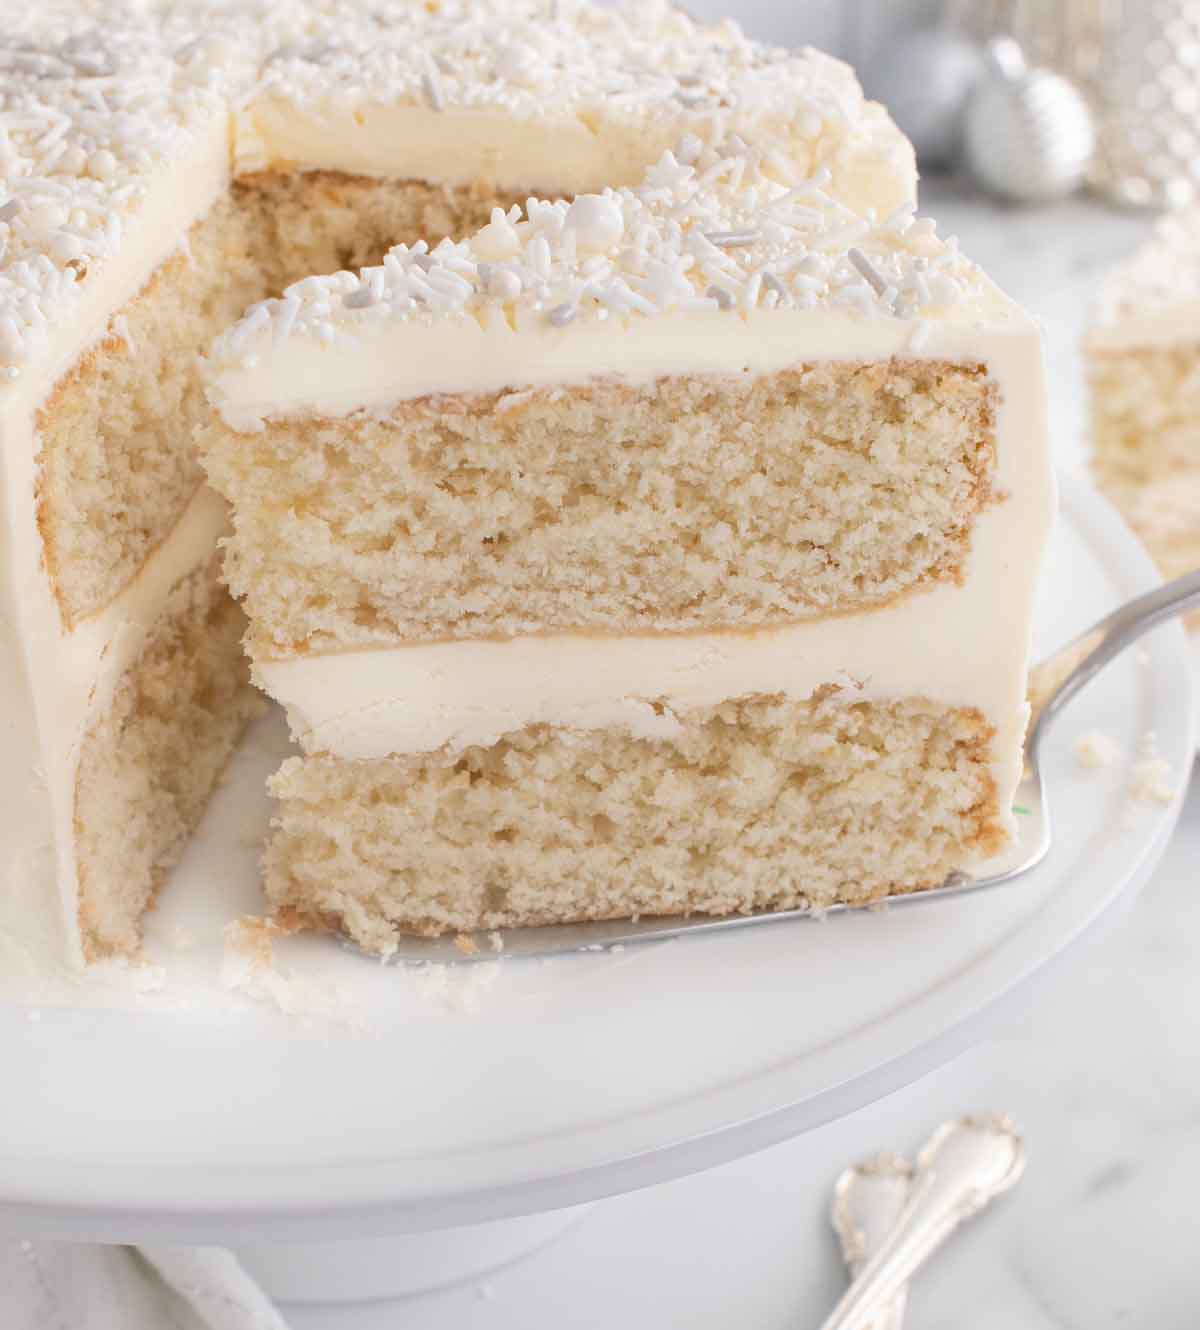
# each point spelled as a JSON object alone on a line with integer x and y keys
{"x": 964, "y": 1165}
{"x": 1052, "y": 685}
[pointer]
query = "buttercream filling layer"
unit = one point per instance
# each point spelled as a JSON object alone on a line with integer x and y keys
{"x": 374, "y": 366}
{"x": 959, "y": 645}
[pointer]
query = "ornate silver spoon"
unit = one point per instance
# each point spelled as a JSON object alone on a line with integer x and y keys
{"x": 964, "y": 1165}
{"x": 868, "y": 1199}
{"x": 1053, "y": 683}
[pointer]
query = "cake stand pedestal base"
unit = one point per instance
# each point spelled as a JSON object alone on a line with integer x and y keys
{"x": 397, "y": 1267}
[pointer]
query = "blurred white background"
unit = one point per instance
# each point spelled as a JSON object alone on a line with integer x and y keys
{"x": 849, "y": 28}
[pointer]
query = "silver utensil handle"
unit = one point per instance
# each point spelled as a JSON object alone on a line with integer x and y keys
{"x": 964, "y": 1166}
{"x": 868, "y": 1198}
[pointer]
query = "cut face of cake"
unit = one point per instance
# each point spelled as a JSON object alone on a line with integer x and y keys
{"x": 161, "y": 168}
{"x": 668, "y": 550}
{"x": 1143, "y": 352}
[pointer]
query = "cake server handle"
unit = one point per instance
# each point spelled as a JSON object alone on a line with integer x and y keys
{"x": 964, "y": 1165}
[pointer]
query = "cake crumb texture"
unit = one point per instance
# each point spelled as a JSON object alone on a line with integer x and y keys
{"x": 1096, "y": 749}
{"x": 758, "y": 803}
{"x": 150, "y": 763}
{"x": 690, "y": 503}
{"x": 1145, "y": 409}
{"x": 118, "y": 461}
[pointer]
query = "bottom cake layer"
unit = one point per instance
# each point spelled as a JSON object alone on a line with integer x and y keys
{"x": 148, "y": 766}
{"x": 762, "y": 802}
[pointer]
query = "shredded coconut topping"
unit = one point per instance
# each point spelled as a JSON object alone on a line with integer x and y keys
{"x": 718, "y": 233}
{"x": 97, "y": 99}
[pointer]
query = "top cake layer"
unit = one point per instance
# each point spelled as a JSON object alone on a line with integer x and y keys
{"x": 103, "y": 101}
{"x": 713, "y": 401}
{"x": 628, "y": 283}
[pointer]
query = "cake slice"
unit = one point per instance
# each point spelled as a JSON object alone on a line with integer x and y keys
{"x": 161, "y": 168}
{"x": 1143, "y": 354}
{"x": 668, "y": 550}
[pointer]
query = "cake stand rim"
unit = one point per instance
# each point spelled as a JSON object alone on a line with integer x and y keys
{"x": 331, "y": 1202}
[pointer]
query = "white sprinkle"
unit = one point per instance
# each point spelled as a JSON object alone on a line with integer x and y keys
{"x": 731, "y": 239}
{"x": 561, "y": 315}
{"x": 723, "y": 297}
{"x": 432, "y": 88}
{"x": 120, "y": 325}
{"x": 504, "y": 285}
{"x": 868, "y": 270}
{"x": 596, "y": 223}
{"x": 12, "y": 344}
{"x": 102, "y": 164}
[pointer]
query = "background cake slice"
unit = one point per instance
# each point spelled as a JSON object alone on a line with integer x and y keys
{"x": 671, "y": 549}
{"x": 1143, "y": 353}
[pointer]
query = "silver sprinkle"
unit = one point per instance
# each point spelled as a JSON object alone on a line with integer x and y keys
{"x": 731, "y": 239}
{"x": 561, "y": 315}
{"x": 359, "y": 299}
{"x": 10, "y": 210}
{"x": 433, "y": 90}
{"x": 772, "y": 283}
{"x": 721, "y": 296}
{"x": 867, "y": 270}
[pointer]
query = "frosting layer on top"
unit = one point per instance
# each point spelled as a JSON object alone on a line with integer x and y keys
{"x": 1153, "y": 297}
{"x": 100, "y": 101}
{"x": 711, "y": 264}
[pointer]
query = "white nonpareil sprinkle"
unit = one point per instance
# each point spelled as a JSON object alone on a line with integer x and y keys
{"x": 597, "y": 222}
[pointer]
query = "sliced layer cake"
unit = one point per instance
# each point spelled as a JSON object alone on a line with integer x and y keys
{"x": 162, "y": 167}
{"x": 668, "y": 550}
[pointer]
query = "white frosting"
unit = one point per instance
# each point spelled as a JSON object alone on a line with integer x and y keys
{"x": 1152, "y": 299}
{"x": 710, "y": 264}
{"x": 122, "y": 123}
{"x": 55, "y": 682}
{"x": 103, "y": 100}
{"x": 53, "y": 685}
{"x": 963, "y": 645}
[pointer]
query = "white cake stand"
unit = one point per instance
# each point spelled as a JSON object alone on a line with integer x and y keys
{"x": 405, "y": 1103}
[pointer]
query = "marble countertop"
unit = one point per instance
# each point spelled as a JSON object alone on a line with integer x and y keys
{"x": 1099, "y": 1070}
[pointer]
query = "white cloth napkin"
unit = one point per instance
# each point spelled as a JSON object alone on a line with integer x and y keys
{"x": 77, "y": 1286}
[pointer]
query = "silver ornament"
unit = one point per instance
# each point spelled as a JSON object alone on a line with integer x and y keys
{"x": 1028, "y": 134}
{"x": 924, "y": 80}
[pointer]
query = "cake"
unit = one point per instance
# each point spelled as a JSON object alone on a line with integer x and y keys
{"x": 669, "y": 550}
{"x": 164, "y": 167}
{"x": 1143, "y": 354}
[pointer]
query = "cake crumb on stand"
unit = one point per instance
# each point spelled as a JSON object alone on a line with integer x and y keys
{"x": 1096, "y": 749}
